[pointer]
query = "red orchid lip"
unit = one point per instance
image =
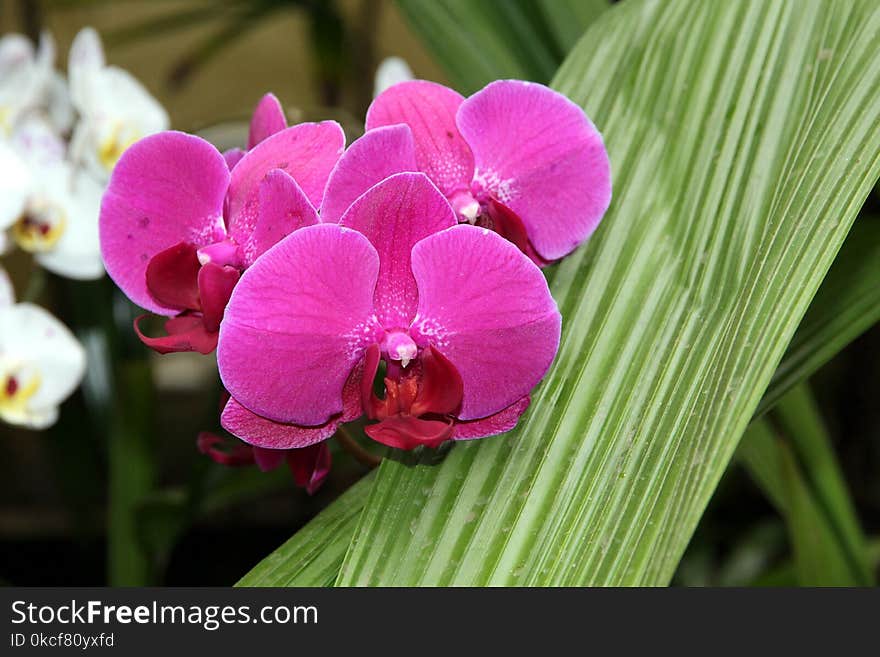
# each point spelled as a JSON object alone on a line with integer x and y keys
{"x": 177, "y": 279}
{"x": 419, "y": 404}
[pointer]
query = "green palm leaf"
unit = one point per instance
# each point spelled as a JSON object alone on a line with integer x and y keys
{"x": 847, "y": 302}
{"x": 744, "y": 137}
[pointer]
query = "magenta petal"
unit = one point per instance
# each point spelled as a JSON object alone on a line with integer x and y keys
{"x": 233, "y": 156}
{"x": 429, "y": 110}
{"x": 539, "y": 154}
{"x": 231, "y": 453}
{"x": 407, "y": 432}
{"x": 184, "y": 333}
{"x": 172, "y": 277}
{"x": 268, "y": 459}
{"x": 281, "y": 209}
{"x": 394, "y": 215}
{"x": 166, "y": 189}
{"x": 310, "y": 466}
{"x": 268, "y": 119}
{"x": 307, "y": 152}
{"x": 487, "y": 308}
{"x": 298, "y": 323}
{"x": 372, "y": 158}
{"x": 267, "y": 435}
{"x": 273, "y": 436}
{"x": 216, "y": 283}
{"x": 502, "y": 421}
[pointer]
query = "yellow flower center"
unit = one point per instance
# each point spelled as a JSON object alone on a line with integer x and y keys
{"x": 15, "y": 394}
{"x": 40, "y": 227}
{"x": 114, "y": 145}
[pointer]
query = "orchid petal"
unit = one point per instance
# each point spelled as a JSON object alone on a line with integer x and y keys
{"x": 310, "y": 466}
{"x": 24, "y": 76}
{"x": 115, "y": 94}
{"x": 263, "y": 433}
{"x": 282, "y": 207}
{"x": 15, "y": 185}
{"x": 184, "y": 333}
{"x": 268, "y": 119}
{"x": 394, "y": 215}
{"x": 539, "y": 154}
{"x": 7, "y": 291}
{"x": 408, "y": 432}
{"x": 167, "y": 188}
{"x": 61, "y": 111}
{"x": 173, "y": 277}
{"x": 307, "y": 152}
{"x": 86, "y": 57}
{"x": 38, "y": 144}
{"x": 297, "y": 324}
{"x": 267, "y": 459}
{"x": 441, "y": 388}
{"x": 46, "y": 51}
{"x": 216, "y": 283}
{"x": 116, "y": 110}
{"x": 506, "y": 223}
{"x": 233, "y": 156}
{"x": 16, "y": 53}
{"x": 231, "y": 453}
{"x": 500, "y": 422}
{"x": 369, "y": 160}
{"x": 429, "y": 110}
{"x": 486, "y": 307}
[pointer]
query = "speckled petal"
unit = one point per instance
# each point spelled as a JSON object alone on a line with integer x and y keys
{"x": 486, "y": 307}
{"x": 394, "y": 215}
{"x": 298, "y": 323}
{"x": 429, "y": 110}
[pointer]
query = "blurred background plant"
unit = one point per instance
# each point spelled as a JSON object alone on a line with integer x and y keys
{"x": 117, "y": 493}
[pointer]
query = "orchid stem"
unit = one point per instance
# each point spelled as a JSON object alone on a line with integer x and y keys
{"x": 360, "y": 454}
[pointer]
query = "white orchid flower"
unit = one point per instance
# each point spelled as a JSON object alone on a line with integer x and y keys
{"x": 41, "y": 363}
{"x": 50, "y": 208}
{"x": 391, "y": 71}
{"x": 26, "y": 77}
{"x": 114, "y": 107}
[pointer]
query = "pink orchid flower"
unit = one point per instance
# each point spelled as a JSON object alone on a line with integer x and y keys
{"x": 178, "y": 226}
{"x": 309, "y": 465}
{"x": 516, "y": 157}
{"x": 463, "y": 320}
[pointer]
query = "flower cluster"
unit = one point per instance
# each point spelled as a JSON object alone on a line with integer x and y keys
{"x": 59, "y": 140}
{"x": 397, "y": 279}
